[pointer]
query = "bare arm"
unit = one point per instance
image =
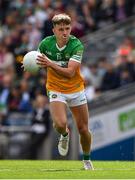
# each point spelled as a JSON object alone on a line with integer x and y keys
{"x": 69, "y": 71}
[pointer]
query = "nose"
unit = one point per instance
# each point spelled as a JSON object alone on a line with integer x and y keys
{"x": 65, "y": 32}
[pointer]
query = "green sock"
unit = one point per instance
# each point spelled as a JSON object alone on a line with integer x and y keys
{"x": 86, "y": 157}
{"x": 65, "y": 134}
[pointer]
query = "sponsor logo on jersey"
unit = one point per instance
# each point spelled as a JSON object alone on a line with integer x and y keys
{"x": 82, "y": 100}
{"x": 48, "y": 52}
{"x": 79, "y": 53}
{"x": 59, "y": 57}
{"x": 64, "y": 64}
{"x": 54, "y": 95}
{"x": 67, "y": 56}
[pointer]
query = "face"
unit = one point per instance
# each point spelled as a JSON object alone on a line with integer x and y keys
{"x": 62, "y": 31}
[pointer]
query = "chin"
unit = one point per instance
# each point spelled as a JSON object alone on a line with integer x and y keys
{"x": 65, "y": 38}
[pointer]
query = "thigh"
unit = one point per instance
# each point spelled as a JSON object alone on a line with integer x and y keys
{"x": 76, "y": 99}
{"x": 56, "y": 97}
{"x": 58, "y": 112}
{"x": 81, "y": 115}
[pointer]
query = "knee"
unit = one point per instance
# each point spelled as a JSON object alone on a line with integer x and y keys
{"x": 83, "y": 130}
{"x": 59, "y": 125}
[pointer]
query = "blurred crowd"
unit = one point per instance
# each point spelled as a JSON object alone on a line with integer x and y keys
{"x": 104, "y": 75}
{"x": 25, "y": 22}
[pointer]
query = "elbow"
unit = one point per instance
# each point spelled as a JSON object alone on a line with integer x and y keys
{"x": 70, "y": 74}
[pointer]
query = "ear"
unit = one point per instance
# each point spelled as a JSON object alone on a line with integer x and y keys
{"x": 70, "y": 29}
{"x": 53, "y": 30}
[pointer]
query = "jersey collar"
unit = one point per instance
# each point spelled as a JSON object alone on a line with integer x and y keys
{"x": 60, "y": 49}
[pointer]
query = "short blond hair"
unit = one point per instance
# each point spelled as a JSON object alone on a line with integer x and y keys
{"x": 61, "y": 18}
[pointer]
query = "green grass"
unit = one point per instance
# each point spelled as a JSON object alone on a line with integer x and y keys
{"x": 25, "y": 169}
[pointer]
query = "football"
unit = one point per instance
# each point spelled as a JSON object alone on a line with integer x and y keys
{"x": 29, "y": 62}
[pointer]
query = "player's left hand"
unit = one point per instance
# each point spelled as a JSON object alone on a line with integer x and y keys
{"x": 43, "y": 61}
{"x": 22, "y": 66}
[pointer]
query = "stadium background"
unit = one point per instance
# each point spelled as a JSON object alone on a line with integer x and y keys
{"x": 107, "y": 29}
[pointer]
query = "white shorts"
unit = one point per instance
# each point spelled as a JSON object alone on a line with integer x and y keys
{"x": 73, "y": 99}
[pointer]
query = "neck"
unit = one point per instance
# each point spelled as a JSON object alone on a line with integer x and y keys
{"x": 62, "y": 43}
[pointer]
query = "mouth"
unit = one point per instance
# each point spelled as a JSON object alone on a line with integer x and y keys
{"x": 65, "y": 37}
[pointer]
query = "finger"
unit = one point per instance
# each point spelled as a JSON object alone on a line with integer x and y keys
{"x": 39, "y": 56}
{"x": 22, "y": 66}
{"x": 41, "y": 61}
{"x": 45, "y": 57}
{"x": 43, "y": 54}
{"x": 41, "y": 65}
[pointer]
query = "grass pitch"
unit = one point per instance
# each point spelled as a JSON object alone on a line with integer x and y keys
{"x": 26, "y": 169}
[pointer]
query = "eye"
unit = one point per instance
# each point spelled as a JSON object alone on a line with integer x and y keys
{"x": 61, "y": 29}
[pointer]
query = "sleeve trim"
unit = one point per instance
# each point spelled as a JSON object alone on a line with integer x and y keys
{"x": 71, "y": 59}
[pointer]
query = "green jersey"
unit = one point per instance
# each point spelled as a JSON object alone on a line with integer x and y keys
{"x": 73, "y": 50}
